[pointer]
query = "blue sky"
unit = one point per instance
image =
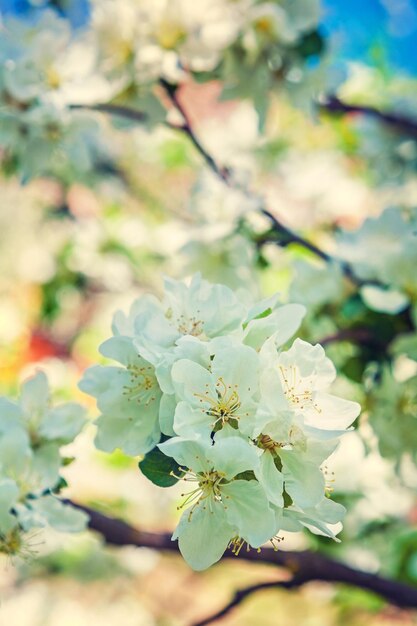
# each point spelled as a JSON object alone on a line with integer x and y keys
{"x": 371, "y": 29}
{"x": 77, "y": 11}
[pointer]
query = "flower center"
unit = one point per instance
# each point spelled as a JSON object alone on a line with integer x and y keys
{"x": 265, "y": 26}
{"x": 296, "y": 389}
{"x": 142, "y": 384}
{"x": 225, "y": 406}
{"x": 208, "y": 487}
{"x": 169, "y": 34}
{"x": 186, "y": 325}
{"x": 53, "y": 78}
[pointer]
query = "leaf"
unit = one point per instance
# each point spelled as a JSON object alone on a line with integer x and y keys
{"x": 405, "y": 344}
{"x": 248, "y": 475}
{"x": 260, "y": 316}
{"x": 157, "y": 467}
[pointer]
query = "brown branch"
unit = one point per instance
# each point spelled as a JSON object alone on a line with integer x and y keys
{"x": 279, "y": 234}
{"x": 242, "y": 594}
{"x": 291, "y": 237}
{"x": 224, "y": 174}
{"x": 304, "y": 565}
{"x": 400, "y": 123}
{"x": 354, "y": 335}
{"x": 113, "y": 109}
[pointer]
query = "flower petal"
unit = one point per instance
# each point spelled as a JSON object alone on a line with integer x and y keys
{"x": 271, "y": 479}
{"x": 280, "y": 324}
{"x": 233, "y": 455}
{"x": 204, "y": 535}
{"x": 248, "y": 509}
{"x": 34, "y": 397}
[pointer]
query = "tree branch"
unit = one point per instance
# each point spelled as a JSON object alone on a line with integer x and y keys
{"x": 291, "y": 237}
{"x": 113, "y": 109}
{"x": 224, "y": 174}
{"x": 242, "y": 594}
{"x": 285, "y": 236}
{"x": 279, "y": 234}
{"x": 400, "y": 123}
{"x": 304, "y": 565}
{"x": 354, "y": 335}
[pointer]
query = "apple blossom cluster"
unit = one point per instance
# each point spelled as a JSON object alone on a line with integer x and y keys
{"x": 209, "y": 391}
{"x": 265, "y": 43}
{"x": 383, "y": 252}
{"x": 43, "y": 68}
{"x": 31, "y": 435}
{"x": 390, "y": 156}
{"x": 165, "y": 39}
{"x": 46, "y": 67}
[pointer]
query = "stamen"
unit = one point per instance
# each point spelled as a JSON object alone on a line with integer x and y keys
{"x": 208, "y": 488}
{"x": 236, "y": 544}
{"x": 142, "y": 384}
{"x": 225, "y": 406}
{"x": 329, "y": 481}
{"x": 275, "y": 541}
{"x": 298, "y": 398}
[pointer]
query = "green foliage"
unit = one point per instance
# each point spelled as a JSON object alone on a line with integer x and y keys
{"x": 162, "y": 470}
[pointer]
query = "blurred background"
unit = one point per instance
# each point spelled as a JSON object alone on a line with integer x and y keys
{"x": 78, "y": 243}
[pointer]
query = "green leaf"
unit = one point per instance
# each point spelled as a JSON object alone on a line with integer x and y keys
{"x": 406, "y": 344}
{"x": 260, "y": 316}
{"x": 248, "y": 475}
{"x": 312, "y": 43}
{"x": 288, "y": 501}
{"x": 278, "y": 462}
{"x": 157, "y": 467}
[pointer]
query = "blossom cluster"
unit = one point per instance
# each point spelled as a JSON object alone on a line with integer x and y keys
{"x": 165, "y": 38}
{"x": 392, "y": 276}
{"x": 209, "y": 392}
{"x": 31, "y": 435}
{"x": 43, "y": 68}
{"x": 46, "y": 67}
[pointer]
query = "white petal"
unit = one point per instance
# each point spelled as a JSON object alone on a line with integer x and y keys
{"x": 248, "y": 509}
{"x": 384, "y": 300}
{"x": 120, "y": 349}
{"x": 35, "y": 395}
{"x": 188, "y": 453}
{"x": 204, "y": 535}
{"x": 9, "y": 494}
{"x": 281, "y": 324}
{"x": 271, "y": 479}
{"x": 303, "y": 480}
{"x": 190, "y": 421}
{"x": 233, "y": 455}
{"x": 333, "y": 413}
{"x": 191, "y": 382}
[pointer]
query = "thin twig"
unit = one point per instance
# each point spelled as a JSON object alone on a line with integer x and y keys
{"x": 291, "y": 237}
{"x": 279, "y": 234}
{"x": 400, "y": 123}
{"x": 222, "y": 173}
{"x": 354, "y": 335}
{"x": 113, "y": 109}
{"x": 242, "y": 594}
{"x": 305, "y": 565}
{"x": 285, "y": 236}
